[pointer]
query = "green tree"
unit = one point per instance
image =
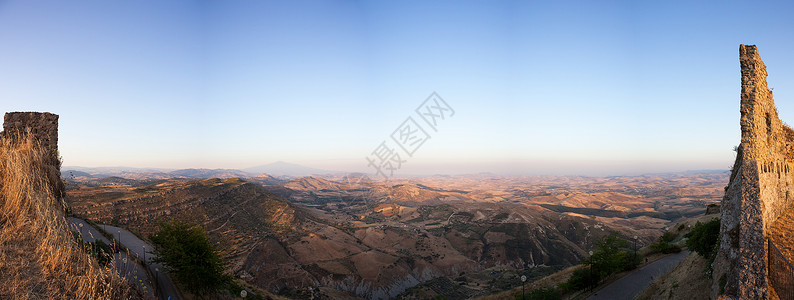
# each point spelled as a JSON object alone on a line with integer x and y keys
{"x": 608, "y": 257}
{"x": 703, "y": 238}
{"x": 186, "y": 253}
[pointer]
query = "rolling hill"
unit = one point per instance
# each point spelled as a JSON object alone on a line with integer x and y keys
{"x": 371, "y": 251}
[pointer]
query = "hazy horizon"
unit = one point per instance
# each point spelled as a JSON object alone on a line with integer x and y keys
{"x": 578, "y": 88}
{"x": 530, "y": 171}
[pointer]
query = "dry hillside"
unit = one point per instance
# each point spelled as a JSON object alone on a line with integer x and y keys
{"x": 459, "y": 237}
{"x": 39, "y": 257}
{"x": 373, "y": 251}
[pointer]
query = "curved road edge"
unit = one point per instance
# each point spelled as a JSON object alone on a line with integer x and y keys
{"x": 631, "y": 285}
{"x": 137, "y": 247}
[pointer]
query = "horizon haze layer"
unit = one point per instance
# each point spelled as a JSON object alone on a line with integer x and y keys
{"x": 281, "y": 168}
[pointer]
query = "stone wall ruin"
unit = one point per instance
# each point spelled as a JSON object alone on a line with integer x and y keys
{"x": 760, "y": 189}
{"x": 44, "y": 129}
{"x": 43, "y": 126}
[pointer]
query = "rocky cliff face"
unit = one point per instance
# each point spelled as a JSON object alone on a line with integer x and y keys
{"x": 760, "y": 189}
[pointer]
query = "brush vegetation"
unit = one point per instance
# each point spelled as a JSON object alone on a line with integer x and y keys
{"x": 610, "y": 257}
{"x": 704, "y": 237}
{"x": 188, "y": 255}
{"x": 39, "y": 257}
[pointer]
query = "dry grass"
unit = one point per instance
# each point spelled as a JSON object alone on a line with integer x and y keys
{"x": 552, "y": 280}
{"x": 687, "y": 280}
{"x": 39, "y": 257}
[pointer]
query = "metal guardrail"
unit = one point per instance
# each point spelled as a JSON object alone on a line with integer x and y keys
{"x": 781, "y": 272}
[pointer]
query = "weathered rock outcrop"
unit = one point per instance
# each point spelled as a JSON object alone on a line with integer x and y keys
{"x": 760, "y": 189}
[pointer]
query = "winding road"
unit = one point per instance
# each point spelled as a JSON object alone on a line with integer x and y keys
{"x": 126, "y": 266}
{"x": 143, "y": 250}
{"x": 634, "y": 283}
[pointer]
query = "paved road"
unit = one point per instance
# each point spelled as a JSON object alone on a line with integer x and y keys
{"x": 125, "y": 266}
{"x": 134, "y": 273}
{"x": 130, "y": 270}
{"x": 143, "y": 250}
{"x": 634, "y": 283}
{"x": 89, "y": 233}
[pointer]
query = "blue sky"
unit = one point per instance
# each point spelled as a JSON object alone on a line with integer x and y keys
{"x": 538, "y": 87}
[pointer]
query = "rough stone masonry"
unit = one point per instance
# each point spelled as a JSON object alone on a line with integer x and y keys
{"x": 43, "y": 126}
{"x": 760, "y": 187}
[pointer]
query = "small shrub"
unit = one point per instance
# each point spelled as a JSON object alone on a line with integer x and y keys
{"x": 630, "y": 261}
{"x": 581, "y": 279}
{"x": 703, "y": 237}
{"x": 665, "y": 247}
{"x": 549, "y": 293}
{"x": 99, "y": 250}
{"x": 668, "y": 237}
{"x": 663, "y": 244}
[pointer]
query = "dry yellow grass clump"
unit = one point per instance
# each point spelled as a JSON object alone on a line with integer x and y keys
{"x": 39, "y": 257}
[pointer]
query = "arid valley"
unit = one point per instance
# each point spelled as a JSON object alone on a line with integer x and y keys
{"x": 452, "y": 236}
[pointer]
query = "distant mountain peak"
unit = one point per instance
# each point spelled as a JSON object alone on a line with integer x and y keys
{"x": 282, "y": 168}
